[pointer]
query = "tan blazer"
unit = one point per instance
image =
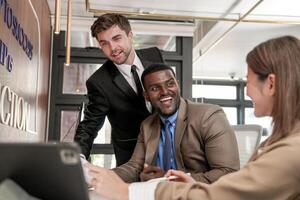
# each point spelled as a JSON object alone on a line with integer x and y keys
{"x": 274, "y": 174}
{"x": 205, "y": 144}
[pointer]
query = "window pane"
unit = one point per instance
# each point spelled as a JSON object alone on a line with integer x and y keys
{"x": 245, "y": 94}
{"x": 231, "y": 114}
{"x": 265, "y": 122}
{"x": 104, "y": 134}
{"x": 214, "y": 91}
{"x": 75, "y": 77}
{"x": 83, "y": 39}
{"x": 107, "y": 161}
{"x": 166, "y": 43}
{"x": 68, "y": 125}
{"x": 174, "y": 69}
{"x": 251, "y": 119}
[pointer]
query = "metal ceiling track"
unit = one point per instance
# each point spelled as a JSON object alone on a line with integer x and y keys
{"x": 149, "y": 15}
{"x": 217, "y": 41}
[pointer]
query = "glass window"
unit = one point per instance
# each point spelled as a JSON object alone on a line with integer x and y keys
{"x": 251, "y": 119}
{"x": 214, "y": 91}
{"x": 107, "y": 161}
{"x": 83, "y": 39}
{"x": 245, "y": 94}
{"x": 166, "y": 43}
{"x": 104, "y": 134}
{"x": 174, "y": 69}
{"x": 68, "y": 124}
{"x": 265, "y": 122}
{"x": 75, "y": 77}
{"x": 231, "y": 114}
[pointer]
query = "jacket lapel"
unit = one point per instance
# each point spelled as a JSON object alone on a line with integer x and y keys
{"x": 122, "y": 84}
{"x": 181, "y": 124}
{"x": 152, "y": 145}
{"x": 154, "y": 136}
{"x": 119, "y": 79}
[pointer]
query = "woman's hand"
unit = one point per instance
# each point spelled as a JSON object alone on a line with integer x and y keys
{"x": 181, "y": 176}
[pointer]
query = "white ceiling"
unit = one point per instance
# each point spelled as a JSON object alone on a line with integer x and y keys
{"x": 229, "y": 54}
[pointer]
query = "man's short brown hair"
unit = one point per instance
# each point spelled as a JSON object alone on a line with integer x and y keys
{"x": 108, "y": 20}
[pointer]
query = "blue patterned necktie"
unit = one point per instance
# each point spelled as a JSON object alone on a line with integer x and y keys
{"x": 167, "y": 155}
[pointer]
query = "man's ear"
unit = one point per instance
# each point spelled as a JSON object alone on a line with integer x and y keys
{"x": 271, "y": 84}
{"x": 178, "y": 85}
{"x": 130, "y": 35}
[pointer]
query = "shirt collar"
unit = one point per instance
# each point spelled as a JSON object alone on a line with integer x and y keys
{"x": 171, "y": 119}
{"x": 126, "y": 69}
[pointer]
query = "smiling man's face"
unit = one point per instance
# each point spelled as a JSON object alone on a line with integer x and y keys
{"x": 117, "y": 45}
{"x": 162, "y": 90}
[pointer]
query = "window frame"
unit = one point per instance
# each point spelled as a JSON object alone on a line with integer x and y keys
{"x": 240, "y": 103}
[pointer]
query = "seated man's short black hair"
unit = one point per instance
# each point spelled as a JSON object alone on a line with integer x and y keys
{"x": 155, "y": 68}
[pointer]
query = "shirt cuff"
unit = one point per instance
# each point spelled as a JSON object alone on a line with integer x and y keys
{"x": 144, "y": 190}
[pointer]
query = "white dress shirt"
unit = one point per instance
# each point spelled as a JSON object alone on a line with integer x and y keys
{"x": 126, "y": 71}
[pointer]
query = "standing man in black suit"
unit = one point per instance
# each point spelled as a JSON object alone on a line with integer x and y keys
{"x": 114, "y": 90}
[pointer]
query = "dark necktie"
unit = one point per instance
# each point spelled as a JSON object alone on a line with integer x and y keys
{"x": 137, "y": 81}
{"x": 167, "y": 147}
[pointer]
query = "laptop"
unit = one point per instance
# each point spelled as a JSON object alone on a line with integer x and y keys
{"x": 48, "y": 171}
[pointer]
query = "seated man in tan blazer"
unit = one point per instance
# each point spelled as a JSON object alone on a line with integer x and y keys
{"x": 198, "y": 140}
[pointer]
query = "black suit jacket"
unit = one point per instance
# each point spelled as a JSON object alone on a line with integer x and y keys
{"x": 110, "y": 95}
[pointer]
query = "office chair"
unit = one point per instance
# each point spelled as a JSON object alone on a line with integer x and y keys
{"x": 248, "y": 138}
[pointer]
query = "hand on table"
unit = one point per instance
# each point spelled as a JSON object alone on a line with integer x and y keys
{"x": 107, "y": 183}
{"x": 181, "y": 176}
{"x": 151, "y": 172}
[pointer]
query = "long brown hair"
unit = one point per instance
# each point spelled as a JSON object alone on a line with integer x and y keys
{"x": 281, "y": 57}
